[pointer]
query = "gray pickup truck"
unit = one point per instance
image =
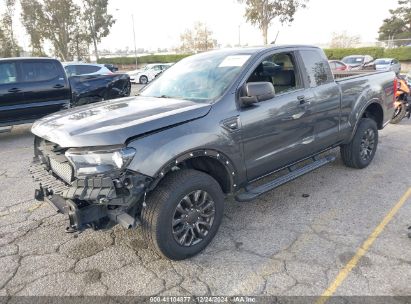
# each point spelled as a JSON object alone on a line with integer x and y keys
{"x": 211, "y": 126}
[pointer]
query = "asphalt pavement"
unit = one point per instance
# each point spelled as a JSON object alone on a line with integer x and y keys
{"x": 292, "y": 241}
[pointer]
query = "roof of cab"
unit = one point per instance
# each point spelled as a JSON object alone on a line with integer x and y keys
{"x": 26, "y": 58}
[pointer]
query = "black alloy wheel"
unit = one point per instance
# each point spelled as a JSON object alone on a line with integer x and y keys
{"x": 193, "y": 218}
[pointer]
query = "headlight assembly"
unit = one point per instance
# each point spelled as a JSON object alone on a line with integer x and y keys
{"x": 94, "y": 162}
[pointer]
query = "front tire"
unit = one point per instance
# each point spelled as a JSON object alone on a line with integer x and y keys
{"x": 361, "y": 150}
{"x": 182, "y": 214}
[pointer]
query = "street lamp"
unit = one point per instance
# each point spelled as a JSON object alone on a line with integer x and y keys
{"x": 134, "y": 36}
{"x": 239, "y": 35}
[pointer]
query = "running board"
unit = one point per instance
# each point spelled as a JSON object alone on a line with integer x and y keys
{"x": 252, "y": 193}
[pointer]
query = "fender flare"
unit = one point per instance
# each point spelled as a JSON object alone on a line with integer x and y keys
{"x": 364, "y": 108}
{"x": 210, "y": 153}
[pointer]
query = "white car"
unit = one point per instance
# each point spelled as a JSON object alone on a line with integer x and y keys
{"x": 148, "y": 73}
{"x": 77, "y": 68}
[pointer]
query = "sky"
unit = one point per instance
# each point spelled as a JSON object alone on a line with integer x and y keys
{"x": 159, "y": 23}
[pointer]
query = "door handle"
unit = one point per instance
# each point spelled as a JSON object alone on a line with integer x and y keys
{"x": 14, "y": 90}
{"x": 301, "y": 99}
{"x": 58, "y": 86}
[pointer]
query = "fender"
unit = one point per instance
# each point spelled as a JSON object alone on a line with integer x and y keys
{"x": 159, "y": 152}
{"x": 361, "y": 113}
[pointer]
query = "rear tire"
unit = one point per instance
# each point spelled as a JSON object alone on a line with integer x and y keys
{"x": 167, "y": 215}
{"x": 361, "y": 150}
{"x": 398, "y": 116}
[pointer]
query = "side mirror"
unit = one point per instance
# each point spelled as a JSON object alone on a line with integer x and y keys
{"x": 257, "y": 91}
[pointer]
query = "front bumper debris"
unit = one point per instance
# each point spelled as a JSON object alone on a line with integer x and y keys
{"x": 92, "y": 202}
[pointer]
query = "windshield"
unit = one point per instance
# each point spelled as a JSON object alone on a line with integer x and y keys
{"x": 382, "y": 61}
{"x": 353, "y": 60}
{"x": 201, "y": 78}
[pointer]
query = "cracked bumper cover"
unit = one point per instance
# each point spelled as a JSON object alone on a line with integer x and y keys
{"x": 90, "y": 200}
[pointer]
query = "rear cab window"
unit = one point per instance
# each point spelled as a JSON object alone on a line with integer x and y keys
{"x": 318, "y": 71}
{"x": 8, "y": 72}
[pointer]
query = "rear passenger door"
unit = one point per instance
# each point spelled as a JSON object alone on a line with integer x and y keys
{"x": 325, "y": 106}
{"x": 46, "y": 89}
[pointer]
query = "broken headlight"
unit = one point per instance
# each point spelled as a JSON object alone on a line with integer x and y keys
{"x": 95, "y": 162}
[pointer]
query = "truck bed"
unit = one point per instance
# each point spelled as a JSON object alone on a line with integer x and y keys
{"x": 338, "y": 75}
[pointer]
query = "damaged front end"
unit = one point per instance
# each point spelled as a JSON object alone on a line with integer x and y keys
{"x": 94, "y": 200}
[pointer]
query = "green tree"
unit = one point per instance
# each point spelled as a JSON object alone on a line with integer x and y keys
{"x": 8, "y": 44}
{"x": 263, "y": 12}
{"x": 31, "y": 20}
{"x": 398, "y": 25}
{"x": 57, "y": 21}
{"x": 198, "y": 39}
{"x": 98, "y": 21}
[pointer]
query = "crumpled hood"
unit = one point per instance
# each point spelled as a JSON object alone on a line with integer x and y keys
{"x": 113, "y": 122}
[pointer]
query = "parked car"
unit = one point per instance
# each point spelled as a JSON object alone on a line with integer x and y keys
{"x": 337, "y": 65}
{"x": 212, "y": 126}
{"x": 113, "y": 68}
{"x": 31, "y": 88}
{"x": 388, "y": 64}
{"x": 360, "y": 62}
{"x": 78, "y": 69}
{"x": 148, "y": 73}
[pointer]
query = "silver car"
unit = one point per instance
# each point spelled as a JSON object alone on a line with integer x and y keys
{"x": 388, "y": 64}
{"x": 78, "y": 68}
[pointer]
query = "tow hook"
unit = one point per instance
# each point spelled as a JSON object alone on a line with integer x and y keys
{"x": 123, "y": 218}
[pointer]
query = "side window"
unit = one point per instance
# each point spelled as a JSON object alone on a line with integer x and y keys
{"x": 318, "y": 71}
{"x": 339, "y": 65}
{"x": 395, "y": 61}
{"x": 39, "y": 71}
{"x": 333, "y": 65}
{"x": 279, "y": 69}
{"x": 86, "y": 69}
{"x": 70, "y": 70}
{"x": 8, "y": 72}
{"x": 157, "y": 68}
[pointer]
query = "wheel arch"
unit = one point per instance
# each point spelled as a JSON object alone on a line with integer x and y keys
{"x": 212, "y": 162}
{"x": 373, "y": 110}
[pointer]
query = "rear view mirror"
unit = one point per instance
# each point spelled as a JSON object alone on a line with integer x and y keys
{"x": 257, "y": 91}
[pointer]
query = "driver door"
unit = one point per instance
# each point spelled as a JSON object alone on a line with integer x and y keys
{"x": 280, "y": 130}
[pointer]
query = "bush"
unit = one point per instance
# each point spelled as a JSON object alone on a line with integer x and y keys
{"x": 376, "y": 52}
{"x": 143, "y": 59}
{"x": 401, "y": 53}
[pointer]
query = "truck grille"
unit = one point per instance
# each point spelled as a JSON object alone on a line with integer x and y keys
{"x": 47, "y": 180}
{"x": 62, "y": 170}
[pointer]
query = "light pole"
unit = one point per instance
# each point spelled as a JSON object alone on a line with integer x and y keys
{"x": 134, "y": 36}
{"x": 239, "y": 35}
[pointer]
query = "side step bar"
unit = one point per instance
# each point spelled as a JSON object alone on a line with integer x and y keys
{"x": 252, "y": 193}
